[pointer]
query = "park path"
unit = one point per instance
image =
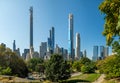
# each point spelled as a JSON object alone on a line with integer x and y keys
{"x": 75, "y": 74}
{"x": 100, "y": 79}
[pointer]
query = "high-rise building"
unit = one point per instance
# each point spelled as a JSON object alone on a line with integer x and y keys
{"x": 31, "y": 32}
{"x": 106, "y": 50}
{"x": 84, "y": 53}
{"x": 102, "y": 52}
{"x": 77, "y": 53}
{"x": 70, "y": 37}
{"x": 24, "y": 55}
{"x": 14, "y": 46}
{"x": 95, "y": 53}
{"x": 51, "y": 41}
{"x": 43, "y": 49}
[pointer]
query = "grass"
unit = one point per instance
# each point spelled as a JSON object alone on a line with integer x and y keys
{"x": 84, "y": 78}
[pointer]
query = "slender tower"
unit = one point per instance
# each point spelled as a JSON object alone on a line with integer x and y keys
{"x": 70, "y": 38}
{"x": 14, "y": 46}
{"x": 31, "y": 32}
{"x": 77, "y": 54}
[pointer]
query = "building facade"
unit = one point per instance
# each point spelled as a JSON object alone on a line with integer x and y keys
{"x": 51, "y": 41}
{"x": 77, "y": 51}
{"x": 31, "y": 32}
{"x": 95, "y": 53}
{"x": 70, "y": 38}
{"x": 102, "y": 52}
{"x": 43, "y": 49}
{"x": 14, "y": 46}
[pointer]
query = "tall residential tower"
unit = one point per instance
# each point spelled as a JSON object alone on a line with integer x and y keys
{"x": 31, "y": 32}
{"x": 95, "y": 53}
{"x": 77, "y": 53}
{"x": 70, "y": 38}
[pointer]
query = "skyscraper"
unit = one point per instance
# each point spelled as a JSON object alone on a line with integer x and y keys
{"x": 51, "y": 41}
{"x": 43, "y": 49}
{"x": 31, "y": 32}
{"x": 106, "y": 50}
{"x": 70, "y": 37}
{"x": 14, "y": 46}
{"x": 77, "y": 53}
{"x": 102, "y": 53}
{"x": 95, "y": 53}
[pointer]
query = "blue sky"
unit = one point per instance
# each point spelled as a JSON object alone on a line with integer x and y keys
{"x": 88, "y": 21}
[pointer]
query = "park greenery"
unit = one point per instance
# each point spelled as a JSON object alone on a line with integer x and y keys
{"x": 11, "y": 63}
{"x": 84, "y": 65}
{"x": 57, "y": 68}
{"x": 111, "y": 10}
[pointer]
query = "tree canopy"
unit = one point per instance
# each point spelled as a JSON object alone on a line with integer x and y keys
{"x": 111, "y": 10}
{"x": 12, "y": 64}
{"x": 57, "y": 69}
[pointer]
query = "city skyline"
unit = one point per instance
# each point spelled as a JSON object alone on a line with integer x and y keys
{"x": 15, "y": 26}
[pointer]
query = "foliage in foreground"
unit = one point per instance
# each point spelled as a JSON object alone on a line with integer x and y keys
{"x": 34, "y": 63}
{"x": 84, "y": 65}
{"x": 110, "y": 66}
{"x": 57, "y": 69}
{"x": 110, "y": 9}
{"x": 82, "y": 78}
{"x": 11, "y": 63}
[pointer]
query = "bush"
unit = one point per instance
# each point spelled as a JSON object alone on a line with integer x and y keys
{"x": 57, "y": 69}
{"x": 6, "y": 71}
{"x": 12, "y": 63}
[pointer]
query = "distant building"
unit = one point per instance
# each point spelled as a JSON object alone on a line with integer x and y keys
{"x": 35, "y": 54}
{"x": 102, "y": 52}
{"x": 84, "y": 53}
{"x": 43, "y": 49}
{"x": 51, "y": 41}
{"x": 24, "y": 55}
{"x": 77, "y": 53}
{"x": 17, "y": 51}
{"x": 106, "y": 50}
{"x": 81, "y": 54}
{"x": 70, "y": 38}
{"x": 31, "y": 32}
{"x": 61, "y": 51}
{"x": 95, "y": 53}
{"x": 14, "y": 46}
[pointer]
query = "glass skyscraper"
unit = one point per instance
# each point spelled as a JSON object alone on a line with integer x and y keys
{"x": 70, "y": 37}
{"x": 95, "y": 53}
{"x": 51, "y": 41}
{"x": 102, "y": 53}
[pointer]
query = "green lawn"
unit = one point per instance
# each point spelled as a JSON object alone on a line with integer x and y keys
{"x": 83, "y": 78}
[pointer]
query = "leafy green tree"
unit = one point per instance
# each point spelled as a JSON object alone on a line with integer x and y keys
{"x": 33, "y": 63}
{"x": 111, "y": 8}
{"x": 110, "y": 66}
{"x": 76, "y": 66}
{"x": 6, "y": 71}
{"x": 11, "y": 62}
{"x": 88, "y": 68}
{"x": 85, "y": 60}
{"x": 57, "y": 69}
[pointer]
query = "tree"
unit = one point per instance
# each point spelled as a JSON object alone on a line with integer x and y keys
{"x": 57, "y": 69}
{"x": 111, "y": 10}
{"x": 33, "y": 63}
{"x": 85, "y": 60}
{"x": 88, "y": 68}
{"x": 110, "y": 66}
{"x": 76, "y": 66}
{"x": 11, "y": 63}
